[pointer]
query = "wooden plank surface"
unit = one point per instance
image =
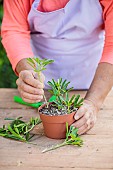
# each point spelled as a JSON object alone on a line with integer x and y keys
{"x": 96, "y": 153}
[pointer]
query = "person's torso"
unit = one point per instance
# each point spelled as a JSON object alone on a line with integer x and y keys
{"x": 72, "y": 36}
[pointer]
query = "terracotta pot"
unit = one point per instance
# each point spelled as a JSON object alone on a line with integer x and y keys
{"x": 55, "y": 126}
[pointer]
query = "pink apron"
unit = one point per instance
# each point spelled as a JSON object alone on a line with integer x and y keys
{"x": 72, "y": 36}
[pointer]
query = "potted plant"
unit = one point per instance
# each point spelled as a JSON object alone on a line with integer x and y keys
{"x": 55, "y": 114}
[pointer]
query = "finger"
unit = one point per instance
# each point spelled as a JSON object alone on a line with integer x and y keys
{"x": 88, "y": 123}
{"x": 80, "y": 113}
{"x": 42, "y": 77}
{"x": 81, "y": 121}
{"x": 93, "y": 118}
{"x": 82, "y": 129}
{"x": 31, "y": 96}
{"x": 28, "y": 78}
{"x": 86, "y": 127}
{"x": 29, "y": 89}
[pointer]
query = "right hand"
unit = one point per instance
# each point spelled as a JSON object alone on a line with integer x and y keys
{"x": 30, "y": 87}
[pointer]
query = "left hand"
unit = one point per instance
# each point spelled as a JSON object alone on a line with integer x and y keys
{"x": 85, "y": 117}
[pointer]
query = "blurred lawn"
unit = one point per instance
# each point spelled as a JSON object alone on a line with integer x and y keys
{"x": 7, "y": 76}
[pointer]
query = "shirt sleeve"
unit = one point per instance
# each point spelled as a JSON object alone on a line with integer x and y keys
{"x": 15, "y": 30}
{"x": 107, "y": 55}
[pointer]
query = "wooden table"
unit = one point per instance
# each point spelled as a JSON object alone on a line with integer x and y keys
{"x": 96, "y": 153}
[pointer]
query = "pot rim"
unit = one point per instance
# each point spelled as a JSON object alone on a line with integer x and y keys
{"x": 53, "y": 115}
{"x": 56, "y": 118}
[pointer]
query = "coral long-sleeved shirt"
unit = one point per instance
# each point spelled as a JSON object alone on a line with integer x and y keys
{"x": 16, "y": 31}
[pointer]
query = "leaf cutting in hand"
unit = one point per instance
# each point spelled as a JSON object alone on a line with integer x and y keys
{"x": 38, "y": 66}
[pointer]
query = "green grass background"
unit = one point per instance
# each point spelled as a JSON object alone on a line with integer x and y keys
{"x": 7, "y": 76}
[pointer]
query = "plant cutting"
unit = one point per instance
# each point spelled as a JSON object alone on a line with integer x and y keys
{"x": 19, "y": 130}
{"x": 72, "y": 138}
{"x": 62, "y": 110}
{"x": 38, "y": 66}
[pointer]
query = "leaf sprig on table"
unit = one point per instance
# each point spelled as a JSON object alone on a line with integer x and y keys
{"x": 72, "y": 138}
{"x": 18, "y": 129}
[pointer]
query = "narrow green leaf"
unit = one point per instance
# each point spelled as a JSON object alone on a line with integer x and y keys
{"x": 72, "y": 98}
{"x": 50, "y": 91}
{"x": 27, "y": 136}
{"x": 63, "y": 84}
{"x": 16, "y": 129}
{"x": 8, "y": 118}
{"x": 81, "y": 101}
{"x": 67, "y": 97}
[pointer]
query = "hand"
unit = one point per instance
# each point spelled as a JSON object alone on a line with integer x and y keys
{"x": 30, "y": 87}
{"x": 85, "y": 117}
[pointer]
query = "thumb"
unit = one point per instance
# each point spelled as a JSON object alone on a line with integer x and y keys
{"x": 40, "y": 77}
{"x": 80, "y": 112}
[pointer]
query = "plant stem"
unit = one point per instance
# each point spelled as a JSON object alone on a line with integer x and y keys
{"x": 45, "y": 100}
{"x": 32, "y": 126}
{"x": 68, "y": 110}
{"x": 43, "y": 94}
{"x": 55, "y": 147}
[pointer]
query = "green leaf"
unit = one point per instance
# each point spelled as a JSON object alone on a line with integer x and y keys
{"x": 11, "y": 136}
{"x": 66, "y": 127}
{"x": 16, "y": 129}
{"x": 27, "y": 136}
{"x": 54, "y": 83}
{"x": 75, "y": 132}
{"x": 51, "y": 84}
{"x": 72, "y": 98}
{"x": 73, "y": 136}
{"x": 71, "y": 128}
{"x": 8, "y": 118}
{"x": 31, "y": 136}
{"x": 30, "y": 60}
{"x": 60, "y": 81}
{"x": 13, "y": 132}
{"x": 76, "y": 99}
{"x": 58, "y": 103}
{"x": 80, "y": 102}
{"x": 2, "y": 130}
{"x": 66, "y": 85}
{"x": 50, "y": 91}
{"x": 67, "y": 97}
{"x": 62, "y": 99}
{"x": 70, "y": 89}
{"x": 67, "y": 131}
{"x": 63, "y": 84}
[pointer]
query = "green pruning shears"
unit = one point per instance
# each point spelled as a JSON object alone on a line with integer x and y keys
{"x": 35, "y": 105}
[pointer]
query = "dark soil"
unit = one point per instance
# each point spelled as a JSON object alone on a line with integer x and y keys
{"x": 52, "y": 110}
